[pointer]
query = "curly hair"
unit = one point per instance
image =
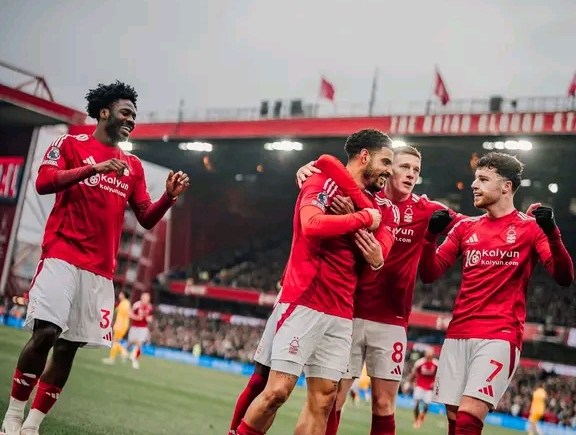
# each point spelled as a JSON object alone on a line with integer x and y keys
{"x": 369, "y": 139}
{"x": 105, "y": 95}
{"x": 505, "y": 165}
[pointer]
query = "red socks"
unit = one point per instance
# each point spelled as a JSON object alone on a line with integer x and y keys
{"x": 333, "y": 422}
{"x": 467, "y": 424}
{"x": 254, "y": 387}
{"x": 45, "y": 398}
{"x": 22, "y": 385}
{"x": 383, "y": 425}
{"x": 244, "y": 429}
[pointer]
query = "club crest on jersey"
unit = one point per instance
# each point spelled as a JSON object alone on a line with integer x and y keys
{"x": 53, "y": 153}
{"x": 511, "y": 235}
{"x": 408, "y": 215}
{"x": 321, "y": 201}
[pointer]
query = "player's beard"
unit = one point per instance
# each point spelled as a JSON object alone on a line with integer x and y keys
{"x": 113, "y": 129}
{"x": 485, "y": 200}
{"x": 374, "y": 180}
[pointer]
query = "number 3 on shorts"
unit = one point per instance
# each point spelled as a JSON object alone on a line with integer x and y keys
{"x": 105, "y": 322}
{"x": 398, "y": 354}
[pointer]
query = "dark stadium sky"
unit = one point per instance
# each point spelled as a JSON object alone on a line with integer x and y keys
{"x": 223, "y": 53}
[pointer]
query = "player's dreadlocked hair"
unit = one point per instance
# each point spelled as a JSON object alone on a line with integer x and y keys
{"x": 105, "y": 95}
{"x": 369, "y": 139}
{"x": 505, "y": 165}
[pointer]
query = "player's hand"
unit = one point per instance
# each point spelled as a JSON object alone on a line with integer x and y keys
{"x": 341, "y": 205}
{"x": 177, "y": 183}
{"x": 545, "y": 219}
{"x": 532, "y": 207}
{"x": 112, "y": 165}
{"x": 306, "y": 171}
{"x": 376, "y": 218}
{"x": 370, "y": 248}
{"x": 439, "y": 221}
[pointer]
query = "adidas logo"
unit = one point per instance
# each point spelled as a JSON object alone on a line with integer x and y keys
{"x": 487, "y": 390}
{"x": 472, "y": 239}
{"x": 396, "y": 371}
{"x": 107, "y": 337}
{"x": 54, "y": 396}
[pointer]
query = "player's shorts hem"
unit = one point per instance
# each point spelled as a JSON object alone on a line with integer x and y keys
{"x": 284, "y": 366}
{"x": 491, "y": 404}
{"x": 31, "y": 319}
{"x": 90, "y": 343}
{"x": 320, "y": 372}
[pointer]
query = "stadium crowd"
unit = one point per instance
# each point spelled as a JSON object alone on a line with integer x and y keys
{"x": 259, "y": 265}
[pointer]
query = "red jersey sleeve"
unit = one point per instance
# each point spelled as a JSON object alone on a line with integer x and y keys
{"x": 390, "y": 221}
{"x": 147, "y": 212}
{"x": 554, "y": 256}
{"x": 435, "y": 261}
{"x": 55, "y": 173}
{"x": 315, "y": 223}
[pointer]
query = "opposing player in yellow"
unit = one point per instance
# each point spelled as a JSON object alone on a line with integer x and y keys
{"x": 121, "y": 324}
{"x": 537, "y": 408}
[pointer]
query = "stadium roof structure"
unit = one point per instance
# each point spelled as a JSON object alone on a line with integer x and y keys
{"x": 19, "y": 108}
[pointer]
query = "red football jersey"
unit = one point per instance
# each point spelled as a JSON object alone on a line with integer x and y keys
{"x": 425, "y": 371}
{"x": 85, "y": 224}
{"x": 321, "y": 272}
{"x": 499, "y": 256}
{"x": 142, "y": 312}
{"x": 387, "y": 297}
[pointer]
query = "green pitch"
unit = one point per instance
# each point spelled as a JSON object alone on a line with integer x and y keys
{"x": 165, "y": 397}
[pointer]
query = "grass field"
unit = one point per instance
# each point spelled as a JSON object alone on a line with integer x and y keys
{"x": 165, "y": 397}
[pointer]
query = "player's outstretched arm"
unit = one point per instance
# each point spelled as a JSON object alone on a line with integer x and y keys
{"x": 551, "y": 250}
{"x": 434, "y": 262}
{"x": 149, "y": 213}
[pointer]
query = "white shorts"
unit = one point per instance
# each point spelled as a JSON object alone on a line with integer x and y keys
{"x": 299, "y": 338}
{"x": 81, "y": 303}
{"x": 422, "y": 394}
{"x": 476, "y": 368}
{"x": 138, "y": 334}
{"x": 381, "y": 346}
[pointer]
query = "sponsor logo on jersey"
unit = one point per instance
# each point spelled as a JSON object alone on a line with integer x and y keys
{"x": 110, "y": 183}
{"x": 403, "y": 234}
{"x": 491, "y": 257}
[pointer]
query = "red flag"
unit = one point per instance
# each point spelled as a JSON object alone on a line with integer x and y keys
{"x": 572, "y": 88}
{"x": 440, "y": 89}
{"x": 326, "y": 89}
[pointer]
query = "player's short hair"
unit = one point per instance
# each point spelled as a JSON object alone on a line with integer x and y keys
{"x": 505, "y": 165}
{"x": 369, "y": 139}
{"x": 103, "y": 96}
{"x": 408, "y": 149}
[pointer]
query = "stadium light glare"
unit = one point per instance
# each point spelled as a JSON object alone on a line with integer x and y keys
{"x": 524, "y": 145}
{"x": 526, "y": 182}
{"x": 511, "y": 145}
{"x": 125, "y": 146}
{"x": 419, "y": 180}
{"x": 203, "y": 147}
{"x": 283, "y": 145}
{"x": 488, "y": 145}
{"x": 398, "y": 143}
{"x": 553, "y": 187}
{"x": 499, "y": 145}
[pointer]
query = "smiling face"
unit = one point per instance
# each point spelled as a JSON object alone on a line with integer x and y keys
{"x": 378, "y": 169}
{"x": 119, "y": 120}
{"x": 405, "y": 172}
{"x": 488, "y": 187}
